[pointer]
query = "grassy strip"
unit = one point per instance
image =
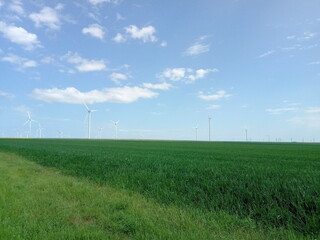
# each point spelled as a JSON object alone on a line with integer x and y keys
{"x": 275, "y": 184}
{"x": 41, "y": 203}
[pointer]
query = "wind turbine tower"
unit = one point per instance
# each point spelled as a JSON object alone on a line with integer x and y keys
{"x": 90, "y": 111}
{"x": 40, "y": 131}
{"x": 196, "y": 128}
{"x": 30, "y": 120}
{"x": 60, "y": 134}
{"x": 115, "y": 123}
{"x": 100, "y": 132}
{"x": 209, "y": 119}
{"x": 246, "y": 135}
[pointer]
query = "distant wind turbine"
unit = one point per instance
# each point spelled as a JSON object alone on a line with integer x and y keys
{"x": 115, "y": 123}
{"x": 196, "y": 128}
{"x": 40, "y": 131}
{"x": 246, "y": 130}
{"x": 30, "y": 120}
{"x": 60, "y": 134}
{"x": 90, "y": 111}
{"x": 209, "y": 119}
{"x": 100, "y": 132}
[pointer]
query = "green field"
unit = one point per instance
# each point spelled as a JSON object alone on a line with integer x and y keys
{"x": 260, "y": 190}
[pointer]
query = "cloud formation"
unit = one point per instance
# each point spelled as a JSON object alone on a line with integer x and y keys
{"x": 213, "y": 106}
{"x": 19, "y": 61}
{"x": 119, "y": 38}
{"x": 187, "y": 75}
{"x": 95, "y": 30}
{"x": 146, "y": 34}
{"x": 276, "y": 111}
{"x": 159, "y": 86}
{"x": 19, "y": 35}
{"x": 265, "y": 54}
{"x": 118, "y": 77}
{"x": 47, "y": 17}
{"x": 214, "y": 97}
{"x": 96, "y": 2}
{"x": 6, "y": 95}
{"x": 198, "y": 47}
{"x": 84, "y": 65}
{"x": 111, "y": 95}
{"x": 16, "y": 6}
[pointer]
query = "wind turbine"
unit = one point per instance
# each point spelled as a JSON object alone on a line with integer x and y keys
{"x": 30, "y": 120}
{"x": 246, "y": 130}
{"x": 116, "y": 127}
{"x": 209, "y": 119}
{"x": 196, "y": 128}
{"x": 40, "y": 131}
{"x": 60, "y": 134}
{"x": 100, "y": 132}
{"x": 89, "y": 119}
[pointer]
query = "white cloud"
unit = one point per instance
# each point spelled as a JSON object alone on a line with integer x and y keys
{"x": 6, "y": 95}
{"x": 91, "y": 65}
{"x": 19, "y": 61}
{"x": 118, "y": 77}
{"x": 308, "y": 121}
{"x": 95, "y": 2}
{"x": 308, "y": 35}
{"x": 111, "y": 95}
{"x": 276, "y": 111}
{"x": 95, "y": 30}
{"x": 266, "y": 54}
{"x": 160, "y": 86}
{"x": 163, "y": 44}
{"x": 120, "y": 17}
{"x": 174, "y": 74}
{"x": 198, "y": 47}
{"x": 312, "y": 109}
{"x": 23, "y": 110}
{"x": 146, "y": 34}
{"x": 48, "y": 60}
{"x": 291, "y": 37}
{"x": 315, "y": 63}
{"x": 201, "y": 73}
{"x": 16, "y": 6}
{"x": 19, "y": 36}
{"x": 213, "y": 106}
{"x": 119, "y": 38}
{"x": 213, "y": 97}
{"x": 187, "y": 75}
{"x": 47, "y": 17}
{"x": 300, "y": 47}
{"x": 84, "y": 65}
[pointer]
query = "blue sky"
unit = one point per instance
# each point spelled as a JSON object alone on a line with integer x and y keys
{"x": 161, "y": 68}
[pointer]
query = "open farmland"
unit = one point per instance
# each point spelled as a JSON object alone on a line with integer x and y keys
{"x": 276, "y": 185}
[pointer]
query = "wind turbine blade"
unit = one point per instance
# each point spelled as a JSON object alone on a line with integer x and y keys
{"x": 94, "y": 110}
{"x": 29, "y": 116}
{"x": 26, "y": 122}
{"x": 86, "y": 105}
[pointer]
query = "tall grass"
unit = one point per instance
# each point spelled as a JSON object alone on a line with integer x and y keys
{"x": 275, "y": 184}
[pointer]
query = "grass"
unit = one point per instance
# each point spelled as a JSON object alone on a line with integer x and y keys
{"x": 276, "y": 185}
{"x": 41, "y": 203}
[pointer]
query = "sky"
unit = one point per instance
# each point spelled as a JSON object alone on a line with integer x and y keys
{"x": 161, "y": 68}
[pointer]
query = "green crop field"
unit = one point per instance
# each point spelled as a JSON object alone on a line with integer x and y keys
{"x": 272, "y": 189}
